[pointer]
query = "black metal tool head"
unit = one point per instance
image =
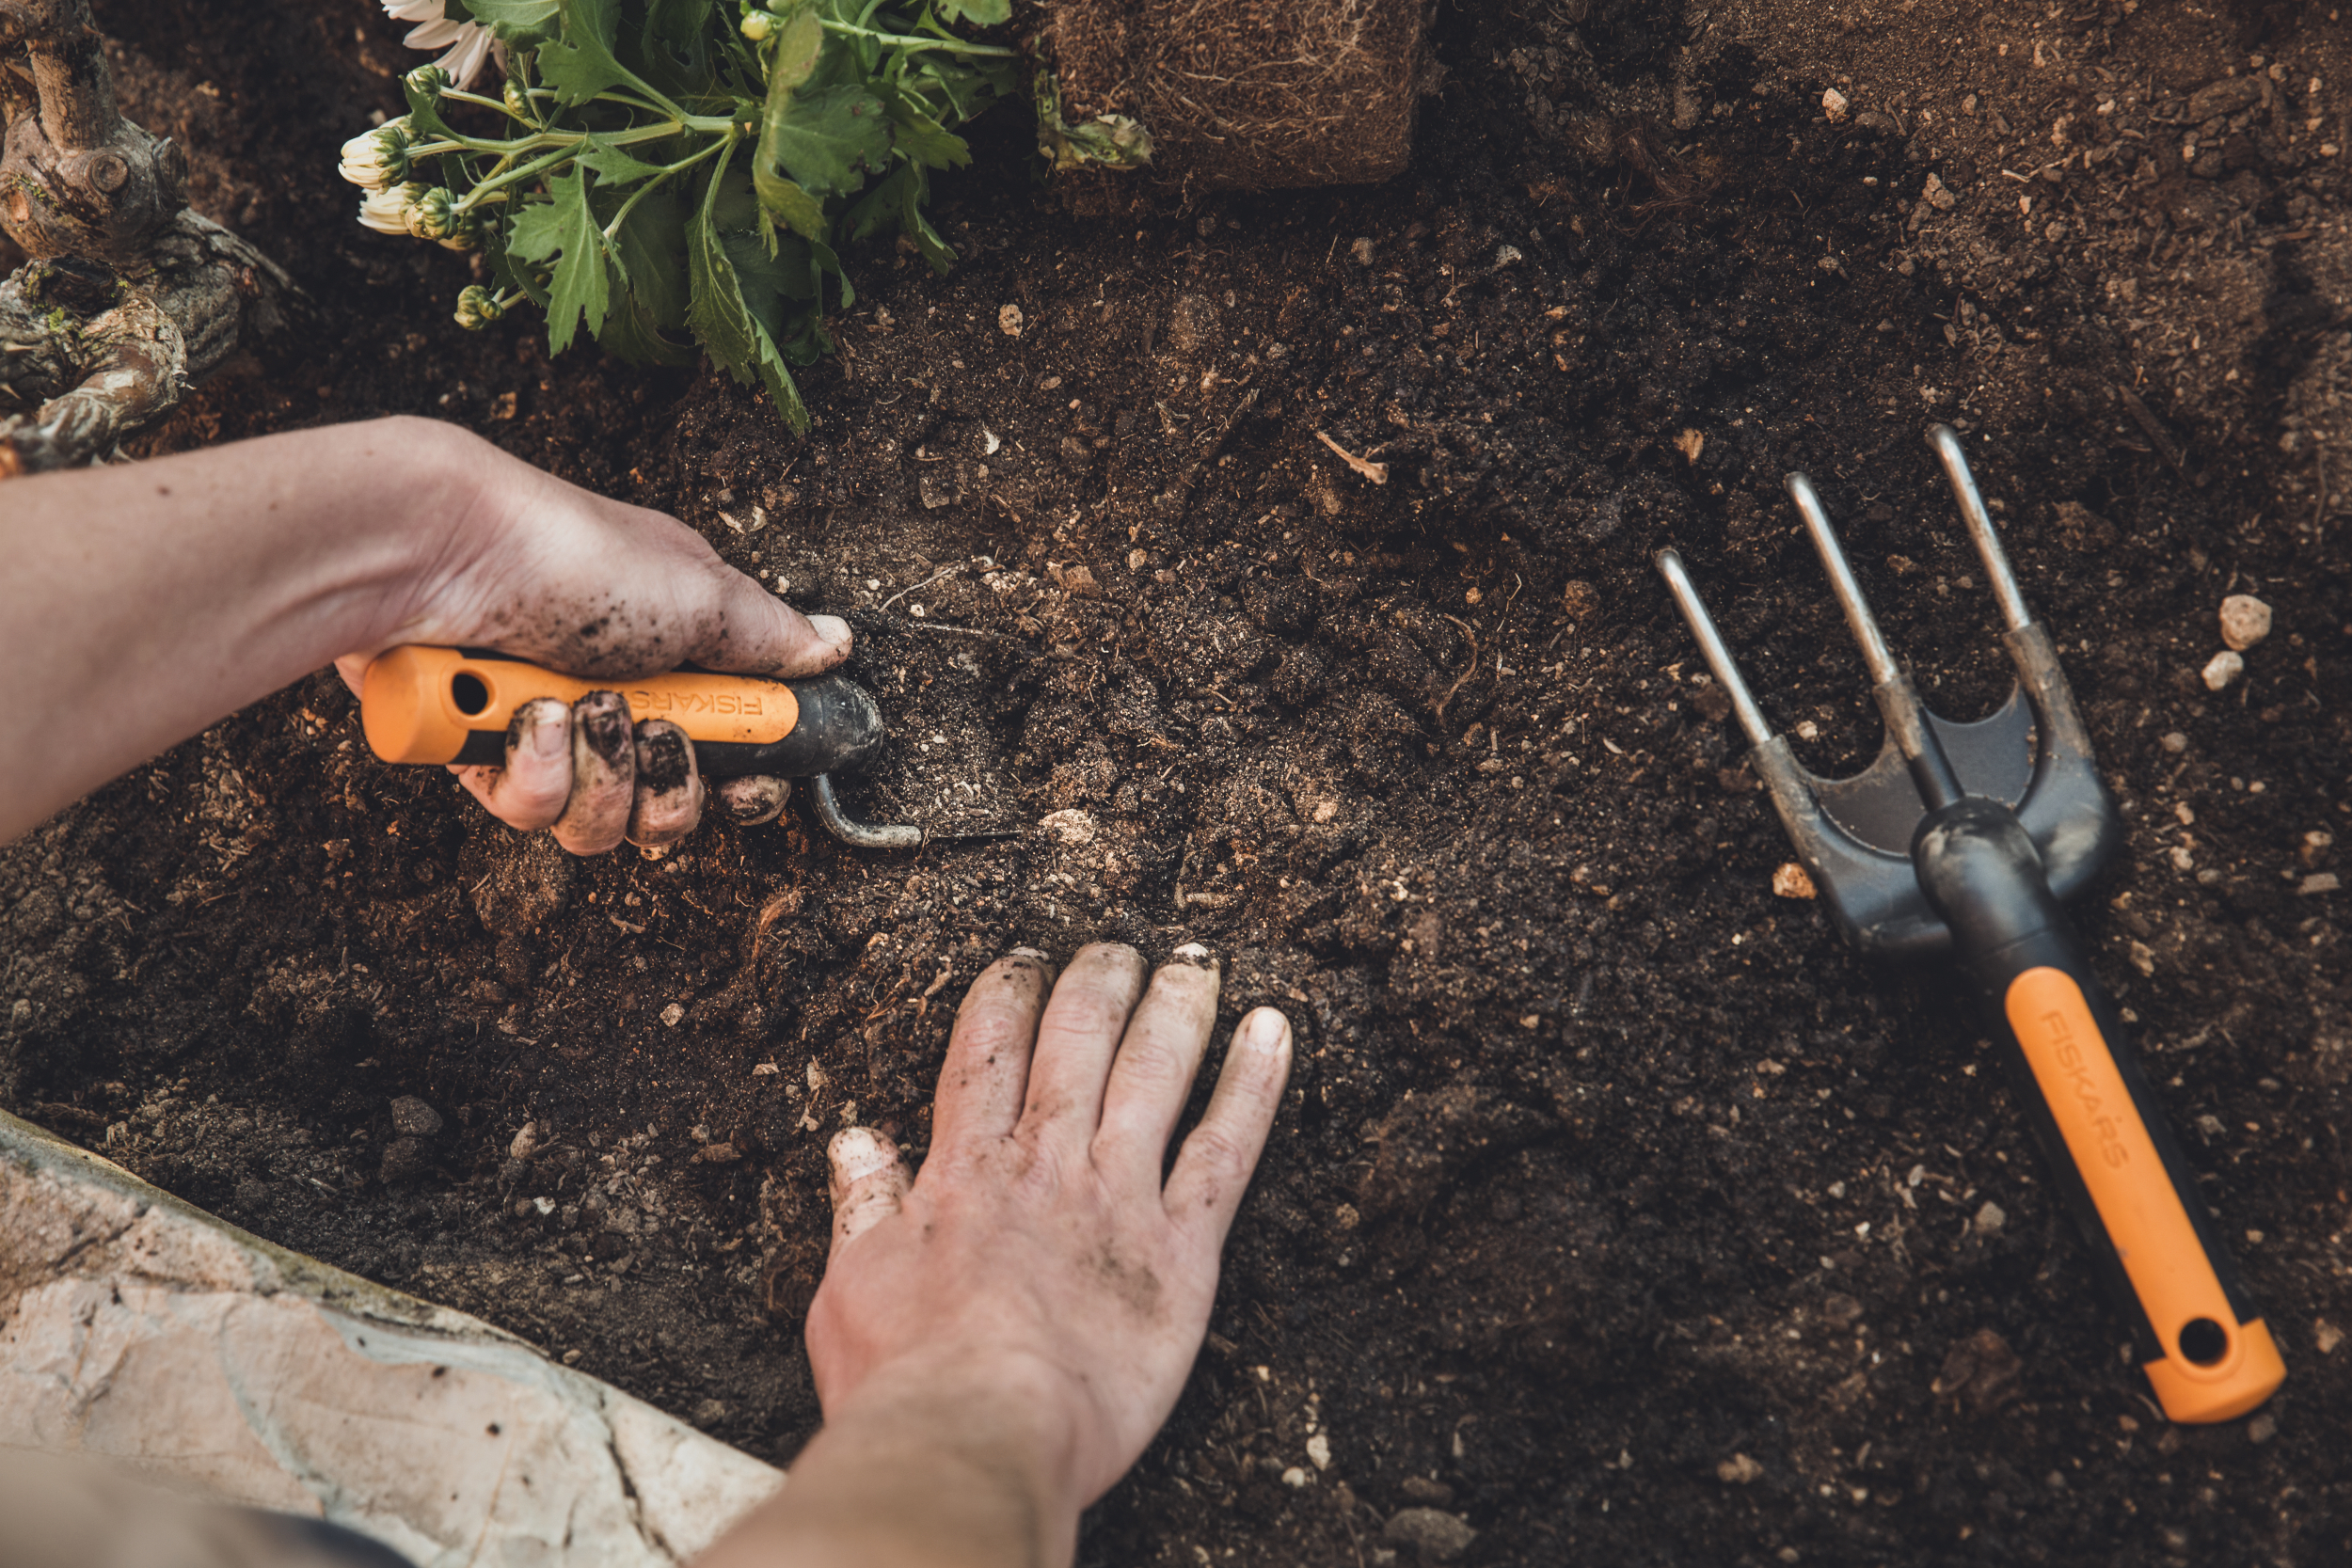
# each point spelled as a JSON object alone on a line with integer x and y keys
{"x": 1853, "y": 836}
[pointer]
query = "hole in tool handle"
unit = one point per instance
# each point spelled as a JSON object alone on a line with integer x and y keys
{"x": 466, "y": 691}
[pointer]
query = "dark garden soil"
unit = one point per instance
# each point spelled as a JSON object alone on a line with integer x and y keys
{"x": 1617, "y": 1207}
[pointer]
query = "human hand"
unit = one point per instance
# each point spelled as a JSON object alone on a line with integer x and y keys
{"x": 1039, "y": 1258}
{"x": 533, "y": 566}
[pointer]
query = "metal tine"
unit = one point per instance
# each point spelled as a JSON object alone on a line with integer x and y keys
{"x": 1711, "y": 645}
{"x": 1906, "y": 716}
{"x": 1945, "y": 442}
{"x": 1865, "y": 626}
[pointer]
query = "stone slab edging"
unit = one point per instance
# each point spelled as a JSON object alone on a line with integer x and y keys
{"x": 136, "y": 1329}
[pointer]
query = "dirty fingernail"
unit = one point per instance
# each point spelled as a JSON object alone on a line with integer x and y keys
{"x": 1265, "y": 1030}
{"x": 1194, "y": 953}
{"x": 858, "y": 1152}
{"x": 832, "y": 630}
{"x": 1026, "y": 953}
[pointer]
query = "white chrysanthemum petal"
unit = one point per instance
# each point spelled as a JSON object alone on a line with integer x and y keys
{"x": 464, "y": 62}
{"x": 415, "y": 10}
{"x": 437, "y": 34}
{"x": 387, "y": 211}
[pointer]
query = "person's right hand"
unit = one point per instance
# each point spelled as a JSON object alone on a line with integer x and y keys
{"x": 1039, "y": 1258}
{"x": 533, "y": 566}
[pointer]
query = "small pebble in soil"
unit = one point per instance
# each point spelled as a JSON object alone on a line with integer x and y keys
{"x": 672, "y": 1014}
{"x": 414, "y": 1118}
{"x": 525, "y": 1143}
{"x": 1362, "y": 251}
{"x": 2223, "y": 667}
{"x": 1790, "y": 881}
{"x": 1737, "y": 1470}
{"x": 1070, "y": 828}
{"x": 2245, "y": 621}
{"x": 1833, "y": 103}
{"x": 1437, "y": 1535}
{"x": 1008, "y": 321}
{"x": 2175, "y": 742}
{"x": 2326, "y": 1335}
{"x": 2261, "y": 1429}
{"x": 1990, "y": 1219}
{"x": 1319, "y": 1451}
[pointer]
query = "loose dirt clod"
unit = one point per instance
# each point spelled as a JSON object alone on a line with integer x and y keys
{"x": 2220, "y": 669}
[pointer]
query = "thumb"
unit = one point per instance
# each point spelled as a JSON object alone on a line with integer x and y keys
{"x": 868, "y": 1182}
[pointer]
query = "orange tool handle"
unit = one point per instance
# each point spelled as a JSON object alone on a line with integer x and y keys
{"x": 424, "y": 705}
{"x": 2214, "y": 1359}
{"x": 2203, "y": 1345}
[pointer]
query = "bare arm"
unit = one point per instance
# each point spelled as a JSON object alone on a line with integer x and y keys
{"x": 141, "y": 603}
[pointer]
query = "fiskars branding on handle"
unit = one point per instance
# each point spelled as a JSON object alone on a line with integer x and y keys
{"x": 2069, "y": 1055}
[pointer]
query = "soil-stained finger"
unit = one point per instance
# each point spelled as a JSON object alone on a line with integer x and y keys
{"x": 1077, "y": 1039}
{"x": 604, "y": 776}
{"x": 987, "y": 1069}
{"x": 1213, "y": 1168}
{"x": 530, "y": 791}
{"x": 865, "y": 1180}
{"x": 1153, "y": 1072}
{"x": 669, "y": 794}
{"x": 752, "y": 800}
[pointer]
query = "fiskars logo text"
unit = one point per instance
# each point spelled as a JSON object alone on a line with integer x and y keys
{"x": 2069, "y": 1056}
{"x": 693, "y": 702}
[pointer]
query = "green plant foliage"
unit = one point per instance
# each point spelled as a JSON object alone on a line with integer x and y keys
{"x": 676, "y": 175}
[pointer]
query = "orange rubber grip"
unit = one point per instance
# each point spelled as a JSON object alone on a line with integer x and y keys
{"x": 420, "y": 705}
{"x": 2145, "y": 1220}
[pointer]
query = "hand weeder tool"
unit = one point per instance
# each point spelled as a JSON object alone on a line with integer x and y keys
{"x": 1968, "y": 838}
{"x": 424, "y": 705}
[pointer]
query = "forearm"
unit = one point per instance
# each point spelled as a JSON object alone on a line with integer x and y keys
{"x": 929, "y": 1475}
{"x": 143, "y": 601}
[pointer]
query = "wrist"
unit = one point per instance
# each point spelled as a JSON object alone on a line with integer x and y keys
{"x": 431, "y": 523}
{"x": 1024, "y": 1412}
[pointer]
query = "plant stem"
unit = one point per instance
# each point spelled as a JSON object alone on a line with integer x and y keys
{"x": 562, "y": 154}
{"x": 486, "y": 103}
{"x": 634, "y": 196}
{"x": 903, "y": 41}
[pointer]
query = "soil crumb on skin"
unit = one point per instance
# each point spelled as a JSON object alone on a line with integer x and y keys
{"x": 1602, "y": 1168}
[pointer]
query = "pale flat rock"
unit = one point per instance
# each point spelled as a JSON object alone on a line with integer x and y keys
{"x": 137, "y": 1329}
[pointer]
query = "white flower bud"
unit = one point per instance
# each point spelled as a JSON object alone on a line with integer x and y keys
{"x": 757, "y": 26}
{"x": 377, "y": 158}
{"x": 430, "y": 81}
{"x": 517, "y": 99}
{"x": 477, "y": 307}
{"x": 387, "y": 211}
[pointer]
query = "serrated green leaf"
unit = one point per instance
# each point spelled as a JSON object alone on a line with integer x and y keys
{"x": 580, "y": 63}
{"x": 581, "y": 290}
{"x": 504, "y": 266}
{"x": 797, "y": 47}
{"x": 651, "y": 247}
{"x": 514, "y": 20}
{"x": 789, "y": 205}
{"x": 921, "y": 137}
{"x": 720, "y": 320}
{"x": 829, "y": 138}
{"x": 533, "y": 232}
{"x": 980, "y": 13}
{"x": 613, "y": 165}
